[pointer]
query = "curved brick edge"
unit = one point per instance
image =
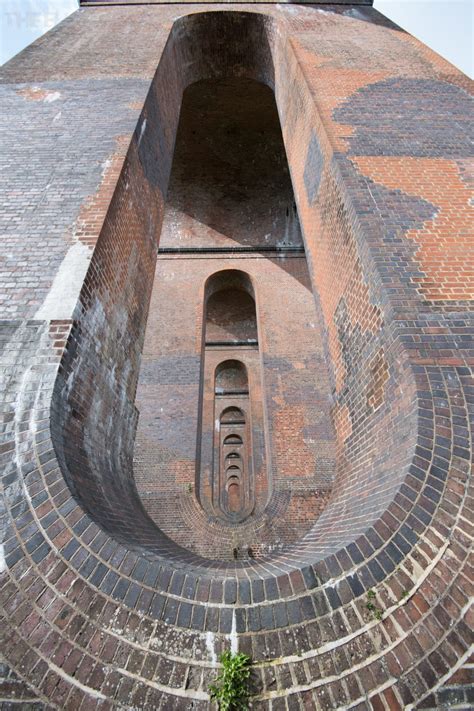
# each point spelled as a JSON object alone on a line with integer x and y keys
{"x": 14, "y": 691}
{"x": 457, "y": 691}
{"x": 40, "y": 633}
{"x": 397, "y": 634}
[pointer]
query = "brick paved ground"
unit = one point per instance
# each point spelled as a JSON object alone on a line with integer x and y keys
{"x": 100, "y": 608}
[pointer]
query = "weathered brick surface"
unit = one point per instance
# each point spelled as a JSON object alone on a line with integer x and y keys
{"x": 100, "y": 608}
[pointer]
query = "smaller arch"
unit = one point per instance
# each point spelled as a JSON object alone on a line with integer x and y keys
{"x": 230, "y": 314}
{"x": 233, "y": 470}
{"x": 233, "y": 456}
{"x": 232, "y": 480}
{"x": 233, "y": 439}
{"x": 232, "y": 416}
{"x": 231, "y": 377}
{"x": 233, "y": 497}
{"x": 228, "y": 279}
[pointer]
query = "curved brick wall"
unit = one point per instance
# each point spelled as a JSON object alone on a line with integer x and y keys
{"x": 100, "y": 609}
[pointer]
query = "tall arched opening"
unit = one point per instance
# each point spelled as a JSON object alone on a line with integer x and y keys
{"x": 230, "y": 390}
{"x": 233, "y": 324}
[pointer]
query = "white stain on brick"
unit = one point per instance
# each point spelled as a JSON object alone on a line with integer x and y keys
{"x": 62, "y": 297}
{"x": 210, "y": 646}
{"x": 142, "y": 131}
{"x": 51, "y": 96}
{"x": 3, "y": 562}
{"x": 354, "y": 12}
{"x": 233, "y": 637}
{"x": 22, "y": 405}
{"x": 105, "y": 166}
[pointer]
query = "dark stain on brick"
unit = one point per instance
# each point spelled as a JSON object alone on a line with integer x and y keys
{"x": 409, "y": 117}
{"x": 387, "y": 215}
{"x": 313, "y": 169}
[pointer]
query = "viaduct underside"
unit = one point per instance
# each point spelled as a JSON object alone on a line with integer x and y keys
{"x": 236, "y": 349}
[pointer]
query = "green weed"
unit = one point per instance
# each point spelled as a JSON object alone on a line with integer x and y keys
{"x": 231, "y": 689}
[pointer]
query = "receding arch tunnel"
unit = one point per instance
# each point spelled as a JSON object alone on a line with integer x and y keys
{"x": 95, "y": 415}
{"x": 231, "y": 225}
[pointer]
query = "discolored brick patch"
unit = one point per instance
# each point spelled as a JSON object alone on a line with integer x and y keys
{"x": 446, "y": 242}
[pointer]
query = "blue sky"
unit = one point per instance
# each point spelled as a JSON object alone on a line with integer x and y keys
{"x": 444, "y": 25}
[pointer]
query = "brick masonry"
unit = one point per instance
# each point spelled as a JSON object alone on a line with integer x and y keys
{"x": 102, "y": 609}
{"x": 230, "y": 190}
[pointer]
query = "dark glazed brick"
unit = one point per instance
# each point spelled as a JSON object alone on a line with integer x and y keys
{"x": 266, "y": 617}
{"x": 307, "y": 608}
{"x": 184, "y": 615}
{"x": 258, "y": 594}
{"x": 132, "y": 595}
{"x": 140, "y": 569}
{"x": 355, "y": 584}
{"x": 309, "y": 577}
{"x": 120, "y": 590}
{"x": 333, "y": 598}
{"x": 244, "y": 592}
{"x": 355, "y": 553}
{"x": 426, "y": 125}
{"x": 254, "y": 619}
{"x": 177, "y": 583}
{"x": 40, "y": 553}
{"x": 280, "y": 615}
{"x": 230, "y": 592}
{"x": 271, "y": 589}
{"x": 109, "y": 582}
{"x": 294, "y": 612}
{"x": 171, "y": 610}
{"x": 189, "y": 587}
{"x": 225, "y": 621}
{"x": 198, "y": 617}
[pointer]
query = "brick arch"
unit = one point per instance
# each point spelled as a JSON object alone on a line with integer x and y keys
{"x": 230, "y": 320}
{"x": 262, "y": 48}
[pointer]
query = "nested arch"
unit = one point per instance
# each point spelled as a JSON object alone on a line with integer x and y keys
{"x": 231, "y": 376}
{"x": 230, "y": 313}
{"x": 189, "y": 57}
{"x": 235, "y": 466}
{"x": 229, "y": 278}
{"x": 232, "y": 416}
{"x": 251, "y": 56}
{"x": 233, "y": 439}
{"x": 231, "y": 369}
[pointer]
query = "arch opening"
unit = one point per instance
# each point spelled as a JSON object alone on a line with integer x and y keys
{"x": 232, "y": 239}
{"x": 96, "y": 402}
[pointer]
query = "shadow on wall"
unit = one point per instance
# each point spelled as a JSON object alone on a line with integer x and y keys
{"x": 230, "y": 173}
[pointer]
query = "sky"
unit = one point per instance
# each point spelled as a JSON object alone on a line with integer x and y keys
{"x": 447, "y": 26}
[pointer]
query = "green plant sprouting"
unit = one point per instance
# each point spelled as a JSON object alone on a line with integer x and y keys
{"x": 231, "y": 690}
{"x": 372, "y": 608}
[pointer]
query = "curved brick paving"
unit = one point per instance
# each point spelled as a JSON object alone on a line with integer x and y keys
{"x": 100, "y": 609}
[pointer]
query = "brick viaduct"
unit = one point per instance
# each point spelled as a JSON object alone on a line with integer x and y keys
{"x": 236, "y": 326}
